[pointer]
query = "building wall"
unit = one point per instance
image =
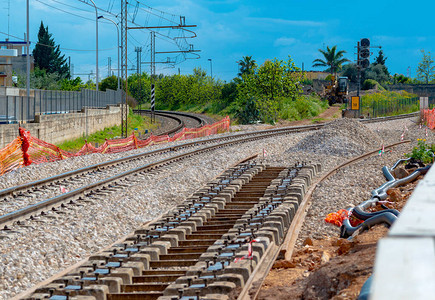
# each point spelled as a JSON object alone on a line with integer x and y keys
{"x": 422, "y": 90}
{"x": 58, "y": 128}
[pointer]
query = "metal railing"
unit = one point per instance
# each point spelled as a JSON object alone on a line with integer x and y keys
{"x": 14, "y": 109}
{"x": 389, "y": 107}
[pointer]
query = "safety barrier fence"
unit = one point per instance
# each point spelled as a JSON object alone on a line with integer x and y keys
{"x": 388, "y": 107}
{"x": 18, "y": 108}
{"x": 27, "y": 149}
{"x": 428, "y": 116}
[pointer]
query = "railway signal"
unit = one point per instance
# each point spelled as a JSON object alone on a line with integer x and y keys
{"x": 364, "y": 53}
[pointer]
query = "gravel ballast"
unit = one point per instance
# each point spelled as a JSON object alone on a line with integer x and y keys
{"x": 34, "y": 253}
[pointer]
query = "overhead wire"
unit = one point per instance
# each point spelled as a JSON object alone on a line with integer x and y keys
{"x": 50, "y": 46}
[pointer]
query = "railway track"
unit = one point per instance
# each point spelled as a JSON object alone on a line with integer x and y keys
{"x": 208, "y": 245}
{"x": 194, "y": 284}
{"x": 178, "y": 121}
{"x": 38, "y": 197}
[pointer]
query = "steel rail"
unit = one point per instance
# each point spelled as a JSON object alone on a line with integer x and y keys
{"x": 177, "y": 113}
{"x": 33, "y": 184}
{"x": 287, "y": 247}
{"x": 19, "y": 188}
{"x": 52, "y": 203}
{"x": 179, "y": 126}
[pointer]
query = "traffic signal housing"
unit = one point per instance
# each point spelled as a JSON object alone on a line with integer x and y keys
{"x": 364, "y": 53}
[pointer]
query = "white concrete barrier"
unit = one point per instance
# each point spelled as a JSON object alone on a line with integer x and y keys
{"x": 405, "y": 259}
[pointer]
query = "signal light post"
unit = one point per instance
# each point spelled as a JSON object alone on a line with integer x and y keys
{"x": 363, "y": 62}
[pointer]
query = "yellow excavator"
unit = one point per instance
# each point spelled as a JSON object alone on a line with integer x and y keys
{"x": 337, "y": 90}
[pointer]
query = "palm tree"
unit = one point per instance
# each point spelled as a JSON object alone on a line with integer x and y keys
{"x": 247, "y": 65}
{"x": 333, "y": 60}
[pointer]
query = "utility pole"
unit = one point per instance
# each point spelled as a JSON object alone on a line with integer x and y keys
{"x": 124, "y": 71}
{"x": 27, "y": 63}
{"x": 138, "y": 50}
{"x": 9, "y": 15}
{"x": 153, "y": 54}
{"x": 109, "y": 66}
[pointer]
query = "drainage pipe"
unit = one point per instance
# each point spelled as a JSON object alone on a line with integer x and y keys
{"x": 347, "y": 229}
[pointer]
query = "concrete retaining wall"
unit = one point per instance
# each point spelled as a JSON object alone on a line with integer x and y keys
{"x": 62, "y": 127}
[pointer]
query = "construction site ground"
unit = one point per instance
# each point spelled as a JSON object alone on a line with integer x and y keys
{"x": 330, "y": 268}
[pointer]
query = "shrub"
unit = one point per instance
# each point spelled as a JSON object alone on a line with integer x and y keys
{"x": 371, "y": 84}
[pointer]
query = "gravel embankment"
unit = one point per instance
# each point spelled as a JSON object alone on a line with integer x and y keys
{"x": 32, "y": 254}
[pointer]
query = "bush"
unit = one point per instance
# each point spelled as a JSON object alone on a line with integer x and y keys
{"x": 301, "y": 108}
{"x": 371, "y": 84}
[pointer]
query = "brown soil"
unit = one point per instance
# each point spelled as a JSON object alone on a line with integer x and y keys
{"x": 330, "y": 268}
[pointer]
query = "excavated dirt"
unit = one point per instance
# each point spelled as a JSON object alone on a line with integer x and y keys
{"x": 330, "y": 268}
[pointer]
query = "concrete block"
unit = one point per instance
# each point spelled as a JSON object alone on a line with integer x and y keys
{"x": 99, "y": 292}
{"x": 126, "y": 274}
{"x": 171, "y": 238}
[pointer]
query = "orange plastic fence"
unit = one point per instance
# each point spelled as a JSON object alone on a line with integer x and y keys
{"x": 429, "y": 117}
{"x": 27, "y": 149}
{"x": 338, "y": 217}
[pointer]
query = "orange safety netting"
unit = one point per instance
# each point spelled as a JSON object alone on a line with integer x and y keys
{"x": 27, "y": 149}
{"x": 338, "y": 217}
{"x": 429, "y": 117}
{"x": 11, "y": 156}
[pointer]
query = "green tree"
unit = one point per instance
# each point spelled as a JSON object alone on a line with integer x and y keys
{"x": 48, "y": 56}
{"x": 266, "y": 86}
{"x": 110, "y": 83}
{"x": 380, "y": 59}
{"x": 247, "y": 65}
{"x": 351, "y": 72}
{"x": 333, "y": 59}
{"x": 426, "y": 68}
{"x": 378, "y": 72}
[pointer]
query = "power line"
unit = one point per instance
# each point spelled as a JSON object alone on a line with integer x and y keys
{"x": 67, "y": 12}
{"x": 75, "y": 7}
{"x": 50, "y": 46}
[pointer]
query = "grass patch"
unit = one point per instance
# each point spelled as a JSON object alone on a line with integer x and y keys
{"x": 99, "y": 137}
{"x": 317, "y": 120}
{"x": 303, "y": 108}
{"x": 389, "y": 103}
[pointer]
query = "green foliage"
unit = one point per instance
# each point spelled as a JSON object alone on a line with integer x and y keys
{"x": 134, "y": 121}
{"x": 388, "y": 103}
{"x": 422, "y": 152}
{"x": 329, "y": 77}
{"x": 351, "y": 72}
{"x": 377, "y": 72}
{"x": 247, "y": 65}
{"x": 307, "y": 82}
{"x": 380, "y": 59}
{"x": 48, "y": 56}
{"x": 426, "y": 68}
{"x": 267, "y": 85}
{"x": 399, "y": 78}
{"x": 333, "y": 59}
{"x": 372, "y": 84}
{"x": 110, "y": 83}
{"x": 304, "y": 107}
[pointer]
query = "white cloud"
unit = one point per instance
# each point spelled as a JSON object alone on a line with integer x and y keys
{"x": 285, "y": 41}
{"x": 303, "y": 23}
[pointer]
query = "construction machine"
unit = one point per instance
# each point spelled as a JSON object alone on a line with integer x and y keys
{"x": 337, "y": 90}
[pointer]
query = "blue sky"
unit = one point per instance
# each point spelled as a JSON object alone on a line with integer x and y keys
{"x": 230, "y": 29}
